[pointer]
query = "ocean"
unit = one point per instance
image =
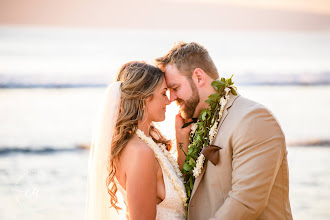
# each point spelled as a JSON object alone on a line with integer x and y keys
{"x": 43, "y": 167}
{"x": 43, "y": 131}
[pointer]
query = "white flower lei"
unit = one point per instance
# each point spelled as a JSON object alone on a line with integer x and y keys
{"x": 212, "y": 133}
{"x": 172, "y": 160}
{"x": 161, "y": 154}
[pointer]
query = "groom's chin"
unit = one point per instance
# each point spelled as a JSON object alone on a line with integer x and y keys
{"x": 183, "y": 114}
{"x": 187, "y": 113}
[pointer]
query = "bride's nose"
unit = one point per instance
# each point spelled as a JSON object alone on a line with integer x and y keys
{"x": 167, "y": 101}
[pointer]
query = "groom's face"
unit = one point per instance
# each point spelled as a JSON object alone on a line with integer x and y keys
{"x": 182, "y": 90}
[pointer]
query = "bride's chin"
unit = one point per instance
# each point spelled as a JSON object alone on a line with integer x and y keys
{"x": 160, "y": 119}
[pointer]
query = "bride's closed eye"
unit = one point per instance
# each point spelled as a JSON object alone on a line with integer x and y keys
{"x": 165, "y": 91}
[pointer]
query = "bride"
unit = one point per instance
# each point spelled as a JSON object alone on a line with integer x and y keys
{"x": 130, "y": 155}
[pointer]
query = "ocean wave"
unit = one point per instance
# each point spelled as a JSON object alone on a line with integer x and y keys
{"x": 310, "y": 143}
{"x": 40, "y": 150}
{"x": 102, "y": 79}
{"x": 59, "y": 80}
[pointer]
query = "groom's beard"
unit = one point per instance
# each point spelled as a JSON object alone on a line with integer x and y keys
{"x": 187, "y": 111}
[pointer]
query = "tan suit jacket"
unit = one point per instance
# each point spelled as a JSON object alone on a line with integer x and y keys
{"x": 251, "y": 180}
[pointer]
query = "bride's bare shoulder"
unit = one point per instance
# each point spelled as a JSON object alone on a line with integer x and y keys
{"x": 138, "y": 148}
{"x": 138, "y": 156}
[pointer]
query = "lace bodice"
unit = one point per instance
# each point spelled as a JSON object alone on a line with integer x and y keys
{"x": 171, "y": 208}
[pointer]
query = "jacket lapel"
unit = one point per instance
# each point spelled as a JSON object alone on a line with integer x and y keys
{"x": 198, "y": 180}
{"x": 232, "y": 98}
{"x": 230, "y": 102}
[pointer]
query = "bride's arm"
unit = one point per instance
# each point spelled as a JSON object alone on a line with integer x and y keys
{"x": 141, "y": 183}
{"x": 182, "y": 139}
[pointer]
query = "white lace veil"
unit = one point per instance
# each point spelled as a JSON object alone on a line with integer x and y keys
{"x": 98, "y": 198}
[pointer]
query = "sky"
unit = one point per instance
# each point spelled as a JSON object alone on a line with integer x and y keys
{"x": 268, "y": 36}
{"x": 315, "y": 6}
{"x": 293, "y": 15}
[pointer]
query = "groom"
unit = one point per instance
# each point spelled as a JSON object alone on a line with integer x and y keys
{"x": 250, "y": 179}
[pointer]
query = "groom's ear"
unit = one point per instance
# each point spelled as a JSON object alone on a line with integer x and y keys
{"x": 200, "y": 76}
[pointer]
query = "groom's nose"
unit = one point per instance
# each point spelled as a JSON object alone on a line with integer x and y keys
{"x": 173, "y": 96}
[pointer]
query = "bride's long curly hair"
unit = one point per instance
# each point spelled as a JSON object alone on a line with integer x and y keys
{"x": 138, "y": 82}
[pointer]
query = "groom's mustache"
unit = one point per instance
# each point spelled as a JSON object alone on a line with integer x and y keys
{"x": 179, "y": 101}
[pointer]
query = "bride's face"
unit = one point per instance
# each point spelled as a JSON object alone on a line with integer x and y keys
{"x": 156, "y": 104}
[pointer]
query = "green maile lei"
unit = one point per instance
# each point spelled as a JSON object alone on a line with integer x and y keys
{"x": 200, "y": 135}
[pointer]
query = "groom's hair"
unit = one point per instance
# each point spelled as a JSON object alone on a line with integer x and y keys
{"x": 187, "y": 57}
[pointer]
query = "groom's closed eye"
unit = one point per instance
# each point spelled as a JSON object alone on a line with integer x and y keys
{"x": 172, "y": 85}
{"x": 174, "y": 88}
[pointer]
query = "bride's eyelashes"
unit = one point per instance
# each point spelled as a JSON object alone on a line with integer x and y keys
{"x": 165, "y": 91}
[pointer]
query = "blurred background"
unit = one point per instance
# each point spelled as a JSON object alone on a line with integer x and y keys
{"x": 57, "y": 57}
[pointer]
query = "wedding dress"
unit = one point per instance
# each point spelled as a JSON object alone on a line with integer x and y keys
{"x": 171, "y": 208}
